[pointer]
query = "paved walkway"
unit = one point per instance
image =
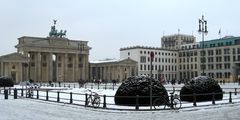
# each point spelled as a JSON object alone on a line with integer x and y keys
{"x": 27, "y": 109}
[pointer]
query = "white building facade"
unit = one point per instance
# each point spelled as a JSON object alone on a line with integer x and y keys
{"x": 165, "y": 63}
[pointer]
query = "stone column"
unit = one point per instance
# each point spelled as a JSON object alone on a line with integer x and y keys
{"x": 50, "y": 67}
{"x": 1, "y": 69}
{"x": 38, "y": 66}
{"x": 20, "y": 72}
{"x": 76, "y": 68}
{"x": 56, "y": 68}
{"x": 84, "y": 67}
{"x": 9, "y": 69}
{"x": 100, "y": 72}
{"x": 104, "y": 73}
{"x": 65, "y": 71}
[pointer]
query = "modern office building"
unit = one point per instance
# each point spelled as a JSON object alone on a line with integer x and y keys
{"x": 219, "y": 59}
{"x": 176, "y": 40}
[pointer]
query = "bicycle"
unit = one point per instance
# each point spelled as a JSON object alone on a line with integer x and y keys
{"x": 93, "y": 99}
{"x": 173, "y": 103}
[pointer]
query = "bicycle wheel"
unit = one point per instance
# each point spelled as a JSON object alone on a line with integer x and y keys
{"x": 96, "y": 102}
{"x": 159, "y": 104}
{"x": 177, "y": 103}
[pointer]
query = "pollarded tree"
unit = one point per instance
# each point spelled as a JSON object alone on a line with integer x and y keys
{"x": 6, "y": 82}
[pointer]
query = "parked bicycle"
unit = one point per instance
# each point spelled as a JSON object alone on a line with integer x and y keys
{"x": 93, "y": 99}
{"x": 163, "y": 101}
{"x": 30, "y": 92}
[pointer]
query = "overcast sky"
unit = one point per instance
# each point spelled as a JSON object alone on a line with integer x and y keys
{"x": 109, "y": 25}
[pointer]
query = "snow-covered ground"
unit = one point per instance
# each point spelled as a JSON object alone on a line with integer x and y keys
{"x": 32, "y": 109}
{"x": 29, "y": 109}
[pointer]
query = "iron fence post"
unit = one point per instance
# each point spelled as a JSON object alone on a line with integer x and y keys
{"x": 235, "y": 91}
{"x": 213, "y": 98}
{"x": 230, "y": 97}
{"x": 137, "y": 102}
{"x": 171, "y": 101}
{"x": 104, "y": 101}
{"x": 37, "y": 94}
{"x": 71, "y": 100}
{"x": 86, "y": 99}
{"x": 58, "y": 99}
{"x": 194, "y": 100}
{"x": 46, "y": 95}
{"x": 15, "y": 93}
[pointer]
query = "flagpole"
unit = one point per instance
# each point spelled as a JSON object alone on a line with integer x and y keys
{"x": 219, "y": 33}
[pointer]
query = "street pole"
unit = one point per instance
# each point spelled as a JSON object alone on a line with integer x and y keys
{"x": 151, "y": 56}
{"x": 203, "y": 30}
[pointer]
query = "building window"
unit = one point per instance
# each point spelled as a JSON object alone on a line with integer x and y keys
{"x": 210, "y": 66}
{"x": 80, "y": 65}
{"x": 59, "y": 58}
{"x": 226, "y": 58}
{"x": 13, "y": 67}
{"x": 44, "y": 64}
{"x": 128, "y": 53}
{"x": 59, "y": 65}
{"x": 80, "y": 59}
{"x": 70, "y": 65}
{"x": 218, "y": 66}
{"x": 227, "y": 66}
{"x": 210, "y": 52}
{"x": 218, "y": 52}
{"x": 238, "y": 51}
{"x": 44, "y": 57}
{"x": 143, "y": 59}
{"x": 32, "y": 64}
{"x": 226, "y": 51}
{"x": 219, "y": 59}
{"x": 210, "y": 59}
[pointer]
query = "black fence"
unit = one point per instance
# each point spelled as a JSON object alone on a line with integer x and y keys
{"x": 107, "y": 102}
{"x": 105, "y": 85}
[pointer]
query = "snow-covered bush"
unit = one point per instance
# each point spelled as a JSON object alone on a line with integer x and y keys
{"x": 6, "y": 82}
{"x": 201, "y": 85}
{"x": 138, "y": 85}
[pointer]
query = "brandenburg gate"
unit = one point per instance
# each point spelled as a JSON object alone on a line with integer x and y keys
{"x": 55, "y": 58}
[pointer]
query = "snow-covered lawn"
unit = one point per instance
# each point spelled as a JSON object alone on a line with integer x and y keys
{"x": 29, "y": 109}
{"x": 32, "y": 109}
{"x": 78, "y": 95}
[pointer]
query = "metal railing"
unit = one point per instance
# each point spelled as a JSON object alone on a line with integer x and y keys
{"x": 106, "y": 102}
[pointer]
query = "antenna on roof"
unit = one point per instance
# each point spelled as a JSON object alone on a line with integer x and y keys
{"x": 178, "y": 31}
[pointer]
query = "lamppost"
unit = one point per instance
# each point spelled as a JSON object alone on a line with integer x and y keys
{"x": 203, "y": 30}
{"x": 151, "y": 59}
